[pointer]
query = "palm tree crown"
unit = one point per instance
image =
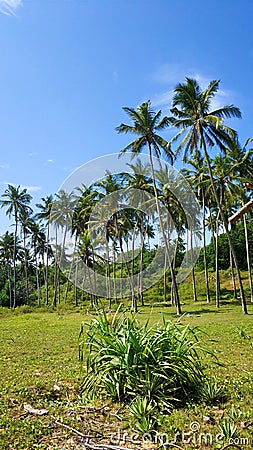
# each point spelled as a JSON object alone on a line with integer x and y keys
{"x": 191, "y": 108}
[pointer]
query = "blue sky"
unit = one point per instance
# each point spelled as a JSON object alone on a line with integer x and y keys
{"x": 68, "y": 67}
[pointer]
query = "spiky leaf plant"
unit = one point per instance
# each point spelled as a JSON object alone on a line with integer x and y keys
{"x": 126, "y": 359}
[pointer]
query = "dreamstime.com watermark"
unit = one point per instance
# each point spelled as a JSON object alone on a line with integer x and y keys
{"x": 105, "y": 218}
{"x": 193, "y": 435}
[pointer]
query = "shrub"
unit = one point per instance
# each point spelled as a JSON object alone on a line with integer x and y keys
{"x": 212, "y": 393}
{"x": 126, "y": 360}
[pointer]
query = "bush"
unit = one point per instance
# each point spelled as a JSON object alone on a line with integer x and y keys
{"x": 126, "y": 360}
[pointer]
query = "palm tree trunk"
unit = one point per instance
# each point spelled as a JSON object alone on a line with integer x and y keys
{"x": 108, "y": 275}
{"x": 248, "y": 257}
{"x": 9, "y": 282}
{"x": 173, "y": 278}
{"x": 55, "y": 269}
{"x": 37, "y": 281}
{"x": 46, "y": 274}
{"x": 217, "y": 274}
{"x": 14, "y": 261}
{"x": 26, "y": 268}
{"x": 195, "y": 299}
{"x": 204, "y": 247}
{"x": 225, "y": 223}
{"x": 141, "y": 269}
{"x": 134, "y": 302}
{"x": 76, "y": 275}
{"x": 232, "y": 274}
{"x": 165, "y": 279}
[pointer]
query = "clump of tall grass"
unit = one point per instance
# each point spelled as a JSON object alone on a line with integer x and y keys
{"x": 126, "y": 360}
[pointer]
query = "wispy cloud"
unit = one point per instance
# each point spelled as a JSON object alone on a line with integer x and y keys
{"x": 168, "y": 74}
{"x": 171, "y": 74}
{"x": 33, "y": 154}
{"x": 9, "y": 7}
{"x": 22, "y": 186}
{"x": 4, "y": 166}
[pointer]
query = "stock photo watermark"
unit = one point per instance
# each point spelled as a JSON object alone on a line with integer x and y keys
{"x": 113, "y": 207}
{"x": 193, "y": 434}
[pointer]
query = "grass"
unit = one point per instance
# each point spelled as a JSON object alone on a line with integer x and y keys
{"x": 39, "y": 350}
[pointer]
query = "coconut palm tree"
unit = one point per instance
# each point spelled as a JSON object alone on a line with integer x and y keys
{"x": 26, "y": 223}
{"x": 61, "y": 217}
{"x": 6, "y": 258}
{"x": 39, "y": 246}
{"x": 202, "y": 128}
{"x": 44, "y": 216}
{"x": 198, "y": 177}
{"x": 241, "y": 160}
{"x": 139, "y": 179}
{"x": 15, "y": 200}
{"x": 146, "y": 124}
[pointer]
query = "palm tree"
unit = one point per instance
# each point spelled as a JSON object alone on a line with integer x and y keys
{"x": 38, "y": 240}
{"x": 26, "y": 223}
{"x": 61, "y": 217}
{"x": 229, "y": 190}
{"x": 200, "y": 129}
{"x": 139, "y": 179}
{"x": 146, "y": 124}
{"x": 198, "y": 177}
{"x": 16, "y": 200}
{"x": 44, "y": 216}
{"x": 175, "y": 216}
{"x": 241, "y": 160}
{"x": 6, "y": 258}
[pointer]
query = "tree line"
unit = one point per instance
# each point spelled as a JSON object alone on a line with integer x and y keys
{"x": 30, "y": 259}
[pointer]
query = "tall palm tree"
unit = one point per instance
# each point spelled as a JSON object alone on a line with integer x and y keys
{"x": 241, "y": 160}
{"x": 15, "y": 200}
{"x": 175, "y": 216}
{"x": 202, "y": 128}
{"x": 44, "y": 216}
{"x": 38, "y": 240}
{"x": 146, "y": 124}
{"x": 26, "y": 223}
{"x": 139, "y": 179}
{"x": 6, "y": 258}
{"x": 198, "y": 177}
{"x": 61, "y": 216}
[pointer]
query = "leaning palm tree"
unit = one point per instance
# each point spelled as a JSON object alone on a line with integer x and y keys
{"x": 16, "y": 200}
{"x": 202, "y": 128}
{"x": 146, "y": 124}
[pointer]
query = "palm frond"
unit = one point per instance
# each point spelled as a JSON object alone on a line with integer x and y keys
{"x": 227, "y": 111}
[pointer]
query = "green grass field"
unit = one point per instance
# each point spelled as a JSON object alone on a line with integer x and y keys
{"x": 39, "y": 350}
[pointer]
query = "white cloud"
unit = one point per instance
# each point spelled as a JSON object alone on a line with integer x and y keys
{"x": 9, "y": 7}
{"x": 31, "y": 188}
{"x": 163, "y": 99}
{"x": 50, "y": 160}
{"x": 28, "y": 188}
{"x": 168, "y": 74}
{"x": 4, "y": 166}
{"x": 33, "y": 154}
{"x": 171, "y": 74}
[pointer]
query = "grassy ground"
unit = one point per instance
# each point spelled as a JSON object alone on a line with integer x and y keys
{"x": 39, "y": 354}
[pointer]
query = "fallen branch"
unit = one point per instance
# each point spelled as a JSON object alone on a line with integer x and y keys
{"x": 86, "y": 436}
